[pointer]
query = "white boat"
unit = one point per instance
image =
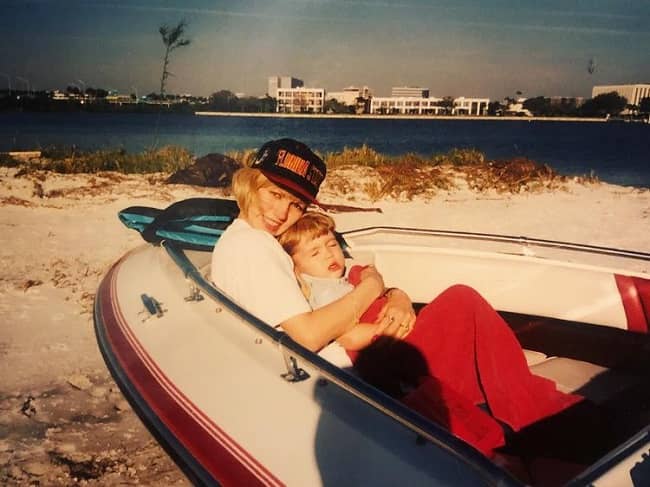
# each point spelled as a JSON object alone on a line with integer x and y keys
{"x": 237, "y": 402}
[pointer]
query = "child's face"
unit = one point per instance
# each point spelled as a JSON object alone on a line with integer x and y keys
{"x": 320, "y": 257}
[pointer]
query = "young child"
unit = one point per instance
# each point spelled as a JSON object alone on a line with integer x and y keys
{"x": 319, "y": 265}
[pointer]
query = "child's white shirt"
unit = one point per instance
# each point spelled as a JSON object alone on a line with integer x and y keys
{"x": 323, "y": 291}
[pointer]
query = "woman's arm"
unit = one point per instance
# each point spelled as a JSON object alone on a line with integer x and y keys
{"x": 319, "y": 327}
{"x": 362, "y": 335}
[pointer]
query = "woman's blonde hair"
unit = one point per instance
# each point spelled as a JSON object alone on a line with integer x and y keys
{"x": 310, "y": 225}
{"x": 245, "y": 184}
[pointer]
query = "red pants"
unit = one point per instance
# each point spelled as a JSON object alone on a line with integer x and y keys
{"x": 462, "y": 352}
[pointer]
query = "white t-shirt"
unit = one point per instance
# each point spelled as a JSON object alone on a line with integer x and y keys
{"x": 252, "y": 268}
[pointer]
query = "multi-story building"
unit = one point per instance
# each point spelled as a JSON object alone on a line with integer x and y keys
{"x": 633, "y": 93}
{"x": 349, "y": 95}
{"x": 567, "y": 100}
{"x": 300, "y": 100}
{"x": 409, "y": 92}
{"x": 406, "y": 105}
{"x": 358, "y": 98}
{"x": 470, "y": 106}
{"x": 117, "y": 99}
{"x": 428, "y": 106}
{"x": 277, "y": 82}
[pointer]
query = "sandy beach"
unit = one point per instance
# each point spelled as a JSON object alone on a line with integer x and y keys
{"x": 62, "y": 419}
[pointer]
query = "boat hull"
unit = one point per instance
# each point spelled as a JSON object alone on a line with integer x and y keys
{"x": 237, "y": 402}
{"x": 212, "y": 391}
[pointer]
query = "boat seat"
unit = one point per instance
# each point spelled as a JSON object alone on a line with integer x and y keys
{"x": 534, "y": 358}
{"x": 592, "y": 381}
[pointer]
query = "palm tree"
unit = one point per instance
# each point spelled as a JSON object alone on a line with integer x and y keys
{"x": 172, "y": 38}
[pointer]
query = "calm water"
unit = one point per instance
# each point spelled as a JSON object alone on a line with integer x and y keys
{"x": 615, "y": 152}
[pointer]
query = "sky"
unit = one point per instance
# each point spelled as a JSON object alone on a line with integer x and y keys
{"x": 454, "y": 48}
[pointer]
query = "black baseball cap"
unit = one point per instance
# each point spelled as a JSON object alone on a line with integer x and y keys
{"x": 293, "y": 166}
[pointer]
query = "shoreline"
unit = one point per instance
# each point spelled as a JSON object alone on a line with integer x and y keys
{"x": 399, "y": 117}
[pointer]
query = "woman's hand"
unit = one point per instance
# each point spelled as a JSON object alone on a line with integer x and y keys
{"x": 397, "y": 317}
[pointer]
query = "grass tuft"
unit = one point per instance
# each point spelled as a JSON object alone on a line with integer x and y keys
{"x": 69, "y": 160}
{"x": 356, "y": 156}
{"x": 351, "y": 172}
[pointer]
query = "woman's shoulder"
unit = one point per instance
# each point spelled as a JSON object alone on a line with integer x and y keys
{"x": 242, "y": 238}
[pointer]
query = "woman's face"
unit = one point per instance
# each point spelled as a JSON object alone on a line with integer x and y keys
{"x": 274, "y": 209}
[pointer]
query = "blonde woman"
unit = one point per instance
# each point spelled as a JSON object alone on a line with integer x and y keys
{"x": 251, "y": 267}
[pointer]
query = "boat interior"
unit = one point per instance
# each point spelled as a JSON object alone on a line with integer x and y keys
{"x": 608, "y": 365}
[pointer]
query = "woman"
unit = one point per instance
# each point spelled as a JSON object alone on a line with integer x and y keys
{"x": 251, "y": 266}
{"x": 466, "y": 344}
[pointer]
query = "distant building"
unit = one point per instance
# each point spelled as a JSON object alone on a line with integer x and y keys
{"x": 118, "y": 99}
{"x": 358, "y": 98}
{"x": 277, "y": 82}
{"x": 349, "y": 95}
{"x": 577, "y": 101}
{"x": 516, "y": 108}
{"x": 409, "y": 92}
{"x": 470, "y": 106}
{"x": 300, "y": 100}
{"x": 407, "y": 105}
{"x": 59, "y": 95}
{"x": 633, "y": 93}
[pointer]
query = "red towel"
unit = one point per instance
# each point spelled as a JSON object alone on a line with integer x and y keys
{"x": 476, "y": 358}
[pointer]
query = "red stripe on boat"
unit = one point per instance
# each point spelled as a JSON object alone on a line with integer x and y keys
{"x": 219, "y": 454}
{"x": 635, "y": 294}
{"x": 184, "y": 401}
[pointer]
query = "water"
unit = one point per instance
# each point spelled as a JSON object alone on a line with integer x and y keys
{"x": 616, "y": 152}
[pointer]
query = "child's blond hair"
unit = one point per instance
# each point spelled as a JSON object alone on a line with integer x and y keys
{"x": 310, "y": 225}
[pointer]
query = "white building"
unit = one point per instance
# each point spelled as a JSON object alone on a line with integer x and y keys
{"x": 59, "y": 95}
{"x": 349, "y": 95}
{"x": 409, "y": 91}
{"x": 300, "y": 100}
{"x": 407, "y": 105}
{"x": 470, "y": 106}
{"x": 277, "y": 82}
{"x": 515, "y": 108}
{"x": 633, "y": 93}
{"x": 118, "y": 99}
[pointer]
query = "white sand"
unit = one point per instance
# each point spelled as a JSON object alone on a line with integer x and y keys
{"x": 54, "y": 251}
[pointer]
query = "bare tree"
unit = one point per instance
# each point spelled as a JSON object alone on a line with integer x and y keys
{"x": 172, "y": 38}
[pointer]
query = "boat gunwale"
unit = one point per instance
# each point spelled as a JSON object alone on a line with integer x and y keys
{"x": 422, "y": 427}
{"x": 493, "y": 237}
{"x": 592, "y": 473}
